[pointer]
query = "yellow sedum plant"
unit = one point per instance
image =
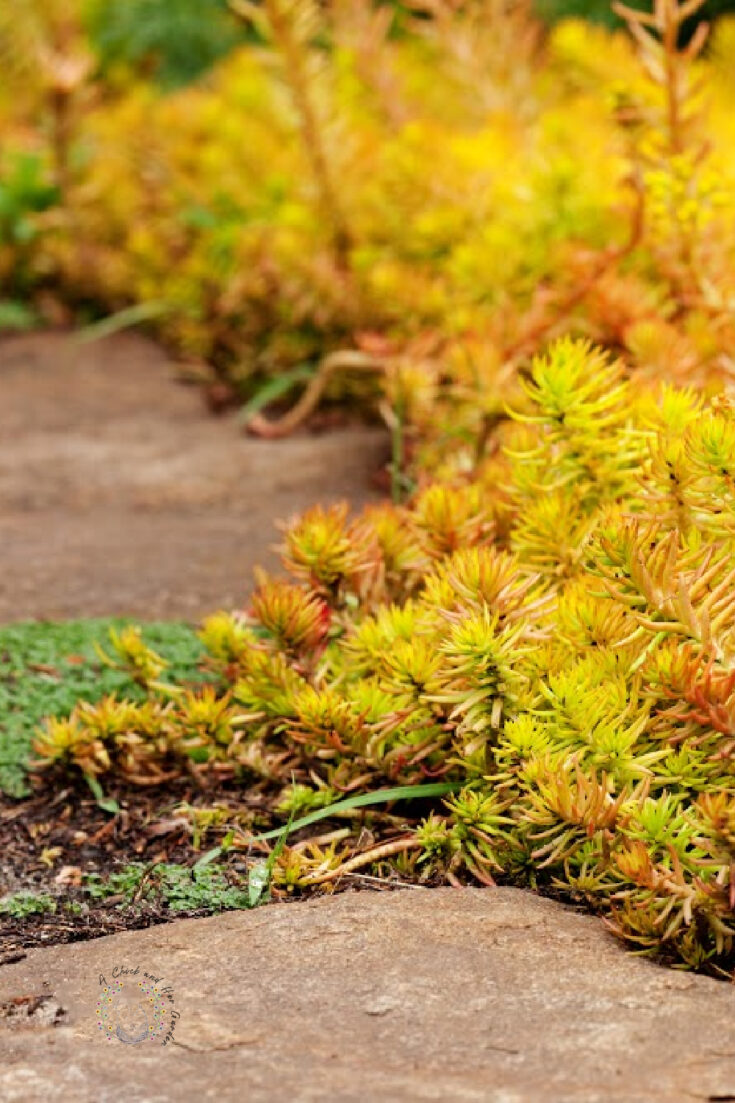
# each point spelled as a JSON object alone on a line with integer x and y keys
{"x": 440, "y": 190}
{"x": 555, "y": 637}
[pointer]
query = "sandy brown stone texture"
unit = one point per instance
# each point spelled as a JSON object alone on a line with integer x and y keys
{"x": 481, "y": 995}
{"x": 121, "y": 494}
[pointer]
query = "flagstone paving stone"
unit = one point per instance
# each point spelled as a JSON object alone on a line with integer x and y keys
{"x": 120, "y": 494}
{"x": 492, "y": 995}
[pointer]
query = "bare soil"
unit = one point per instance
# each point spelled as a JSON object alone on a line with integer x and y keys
{"x": 121, "y": 494}
{"x": 63, "y": 820}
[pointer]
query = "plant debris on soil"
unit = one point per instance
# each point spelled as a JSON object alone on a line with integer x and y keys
{"x": 72, "y": 871}
{"x": 64, "y": 848}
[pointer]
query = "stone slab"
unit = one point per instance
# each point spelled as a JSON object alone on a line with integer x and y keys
{"x": 492, "y": 995}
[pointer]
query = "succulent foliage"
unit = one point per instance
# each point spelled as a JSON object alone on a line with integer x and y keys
{"x": 555, "y": 636}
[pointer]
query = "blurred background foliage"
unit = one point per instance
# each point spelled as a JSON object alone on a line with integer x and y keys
{"x": 173, "y": 41}
{"x": 265, "y": 193}
{"x": 600, "y": 11}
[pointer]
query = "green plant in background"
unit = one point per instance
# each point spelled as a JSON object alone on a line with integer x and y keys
{"x": 597, "y": 11}
{"x": 174, "y": 41}
{"x": 25, "y": 191}
{"x": 27, "y": 195}
{"x": 600, "y": 11}
{"x": 22, "y": 904}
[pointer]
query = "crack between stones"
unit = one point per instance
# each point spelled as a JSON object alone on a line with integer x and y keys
{"x": 218, "y": 1048}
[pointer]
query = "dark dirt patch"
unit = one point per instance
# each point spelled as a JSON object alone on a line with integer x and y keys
{"x": 51, "y": 843}
{"x": 64, "y": 818}
{"x": 121, "y": 495}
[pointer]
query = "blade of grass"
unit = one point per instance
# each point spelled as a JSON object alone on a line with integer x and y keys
{"x": 215, "y": 852}
{"x": 123, "y": 319}
{"x": 259, "y": 876}
{"x": 363, "y": 800}
{"x": 274, "y": 389}
{"x": 107, "y": 804}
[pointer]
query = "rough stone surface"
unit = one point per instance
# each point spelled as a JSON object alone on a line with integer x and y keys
{"x": 490, "y": 995}
{"x": 121, "y": 494}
